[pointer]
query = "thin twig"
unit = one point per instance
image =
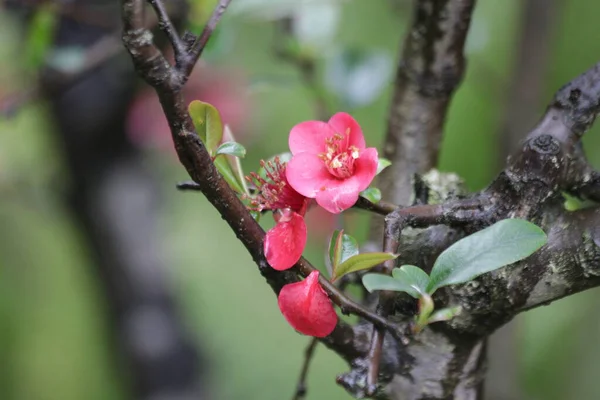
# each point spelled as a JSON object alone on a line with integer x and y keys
{"x": 390, "y": 244}
{"x": 165, "y": 25}
{"x": 156, "y": 70}
{"x": 381, "y": 207}
{"x": 301, "y": 385}
{"x": 199, "y": 44}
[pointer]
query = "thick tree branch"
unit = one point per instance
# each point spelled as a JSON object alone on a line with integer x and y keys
{"x": 431, "y": 67}
{"x": 550, "y": 161}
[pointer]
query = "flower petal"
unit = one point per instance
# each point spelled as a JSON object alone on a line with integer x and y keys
{"x": 365, "y": 168}
{"x": 285, "y": 242}
{"x": 339, "y": 196}
{"x": 308, "y": 174}
{"x": 309, "y": 136}
{"x": 341, "y": 122}
{"x": 307, "y": 308}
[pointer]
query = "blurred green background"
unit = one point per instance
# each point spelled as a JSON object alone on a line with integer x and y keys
{"x": 53, "y": 326}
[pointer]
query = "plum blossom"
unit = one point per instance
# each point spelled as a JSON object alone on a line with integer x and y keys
{"x": 307, "y": 308}
{"x": 330, "y": 162}
{"x": 284, "y": 243}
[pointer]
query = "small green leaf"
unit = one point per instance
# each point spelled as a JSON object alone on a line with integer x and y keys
{"x": 413, "y": 276}
{"x": 207, "y": 121}
{"x": 573, "y": 203}
{"x": 444, "y": 314}
{"x": 501, "y": 244}
{"x": 341, "y": 248}
{"x": 227, "y": 173}
{"x": 335, "y": 244}
{"x": 371, "y": 194}
{"x": 232, "y": 148}
{"x": 234, "y": 162}
{"x": 360, "y": 262}
{"x": 374, "y": 282}
{"x": 382, "y": 164}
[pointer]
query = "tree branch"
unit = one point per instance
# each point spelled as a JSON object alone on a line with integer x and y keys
{"x": 167, "y": 81}
{"x": 431, "y": 67}
{"x": 549, "y": 162}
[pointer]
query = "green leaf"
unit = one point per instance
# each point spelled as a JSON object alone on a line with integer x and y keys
{"x": 371, "y": 194}
{"x": 501, "y": 244}
{"x": 444, "y": 314}
{"x": 374, "y": 282}
{"x": 234, "y": 162}
{"x": 573, "y": 203}
{"x": 341, "y": 248}
{"x": 207, "y": 122}
{"x": 382, "y": 164}
{"x": 232, "y": 148}
{"x": 227, "y": 173}
{"x": 413, "y": 276}
{"x": 360, "y": 262}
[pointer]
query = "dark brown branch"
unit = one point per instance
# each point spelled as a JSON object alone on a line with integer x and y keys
{"x": 550, "y": 161}
{"x": 390, "y": 244}
{"x": 381, "y": 207}
{"x": 199, "y": 44}
{"x": 165, "y": 25}
{"x": 431, "y": 67}
{"x": 154, "y": 68}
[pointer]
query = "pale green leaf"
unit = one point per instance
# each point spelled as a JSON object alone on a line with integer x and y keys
{"x": 207, "y": 121}
{"x": 232, "y": 149}
{"x": 382, "y": 164}
{"x": 413, "y": 276}
{"x": 371, "y": 194}
{"x": 444, "y": 314}
{"x": 360, "y": 262}
{"x": 374, "y": 282}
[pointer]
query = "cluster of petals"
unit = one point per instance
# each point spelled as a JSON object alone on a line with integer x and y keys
{"x": 330, "y": 162}
{"x": 285, "y": 242}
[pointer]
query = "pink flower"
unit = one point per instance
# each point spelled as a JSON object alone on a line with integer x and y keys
{"x": 284, "y": 243}
{"x": 307, "y": 308}
{"x": 330, "y": 162}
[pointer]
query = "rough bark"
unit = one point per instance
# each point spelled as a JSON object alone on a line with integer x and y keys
{"x": 431, "y": 67}
{"x": 444, "y": 361}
